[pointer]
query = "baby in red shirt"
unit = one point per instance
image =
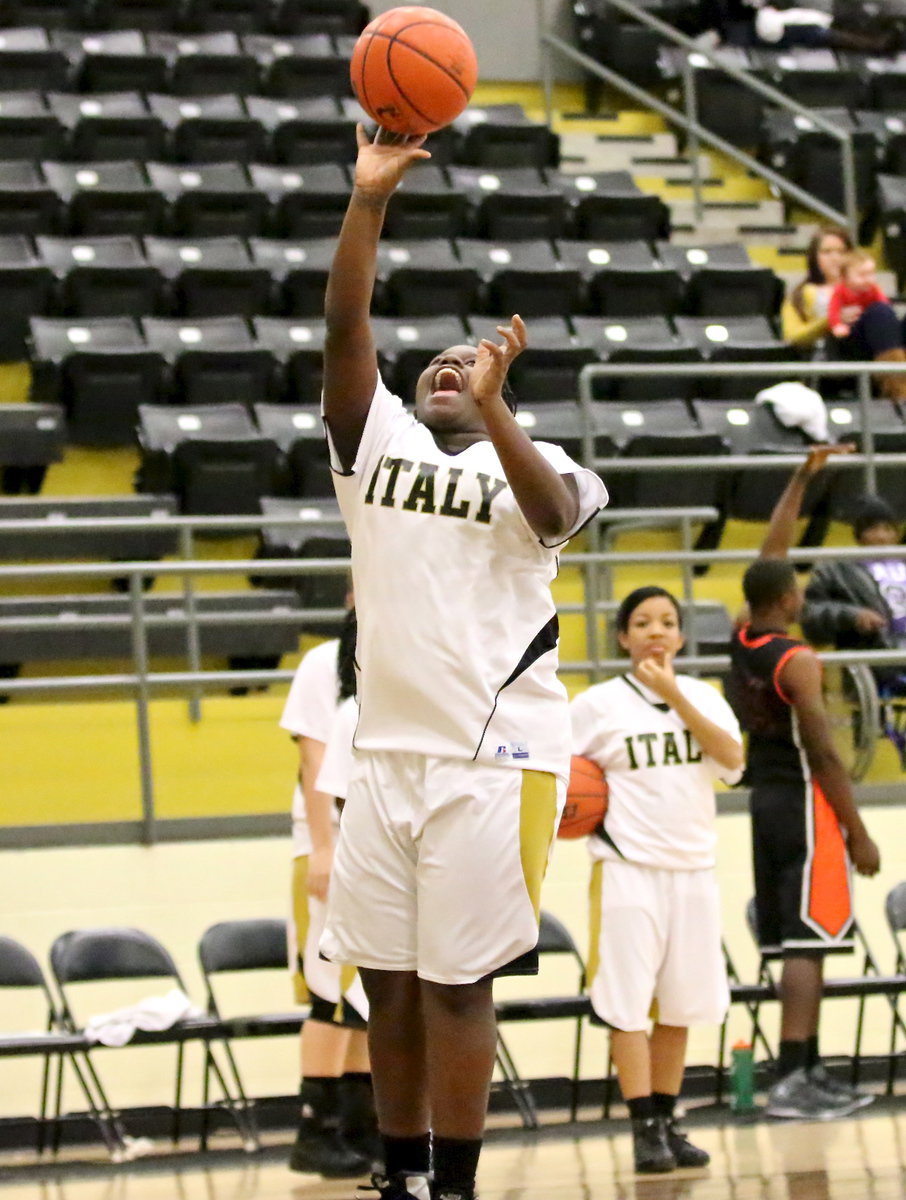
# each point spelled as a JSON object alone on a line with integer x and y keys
{"x": 858, "y": 287}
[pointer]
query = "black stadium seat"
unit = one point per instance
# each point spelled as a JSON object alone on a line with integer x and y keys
{"x": 639, "y": 340}
{"x": 426, "y": 205}
{"x": 814, "y": 159}
{"x": 297, "y": 345}
{"x": 106, "y": 127}
{"x": 210, "y": 199}
{"x": 501, "y": 135}
{"x": 623, "y": 279}
{"x": 313, "y": 530}
{"x": 734, "y": 339}
{"x": 31, "y": 437}
{"x": 28, "y": 128}
{"x": 299, "y": 432}
{"x": 512, "y": 203}
{"x": 205, "y": 64}
{"x": 722, "y": 281}
{"x": 299, "y": 67}
{"x": 239, "y": 16}
{"x": 424, "y": 278}
{"x": 298, "y": 272}
{"x": 212, "y": 358}
{"x": 61, "y": 541}
{"x": 307, "y": 201}
{"x": 28, "y": 61}
{"x": 548, "y": 369}
{"x": 113, "y": 61}
{"x": 303, "y": 131}
{"x": 337, "y": 17}
{"x": 525, "y": 277}
{"x": 208, "y": 129}
{"x": 103, "y": 277}
{"x": 815, "y": 78}
{"x": 26, "y": 290}
{"x": 609, "y": 206}
{"x": 28, "y": 204}
{"x": 106, "y": 198}
{"x": 210, "y": 277}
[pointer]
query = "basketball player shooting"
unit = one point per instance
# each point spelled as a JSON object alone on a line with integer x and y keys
{"x": 463, "y": 745}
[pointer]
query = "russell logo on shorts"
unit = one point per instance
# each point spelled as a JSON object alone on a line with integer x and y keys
{"x": 511, "y": 750}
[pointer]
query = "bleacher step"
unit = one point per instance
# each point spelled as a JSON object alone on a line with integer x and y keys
{"x": 593, "y": 152}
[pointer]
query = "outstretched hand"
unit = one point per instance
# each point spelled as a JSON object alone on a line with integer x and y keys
{"x": 493, "y": 361}
{"x": 818, "y": 456}
{"x": 382, "y": 163}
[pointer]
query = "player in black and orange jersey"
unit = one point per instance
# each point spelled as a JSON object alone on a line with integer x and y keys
{"x": 806, "y": 829}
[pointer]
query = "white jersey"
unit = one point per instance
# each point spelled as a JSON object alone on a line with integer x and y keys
{"x": 457, "y": 629}
{"x": 309, "y": 712}
{"x": 336, "y": 766}
{"x": 662, "y": 810}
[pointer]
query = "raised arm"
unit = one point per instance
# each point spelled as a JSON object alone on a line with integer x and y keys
{"x": 800, "y": 679}
{"x": 548, "y": 500}
{"x": 350, "y": 361}
{"x": 782, "y": 528}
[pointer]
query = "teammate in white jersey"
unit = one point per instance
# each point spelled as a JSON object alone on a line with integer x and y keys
{"x": 455, "y": 519}
{"x": 335, "y": 1136}
{"x": 663, "y": 740}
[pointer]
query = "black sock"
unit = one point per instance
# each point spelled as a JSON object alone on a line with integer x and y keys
{"x": 793, "y": 1056}
{"x": 319, "y": 1096}
{"x": 455, "y": 1165}
{"x": 641, "y": 1108}
{"x": 812, "y": 1056}
{"x": 663, "y": 1104}
{"x": 407, "y": 1155}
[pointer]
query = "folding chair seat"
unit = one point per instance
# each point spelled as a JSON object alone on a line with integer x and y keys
{"x": 609, "y": 206}
{"x": 555, "y": 944}
{"x": 426, "y": 205}
{"x": 297, "y": 345}
{"x": 888, "y": 437}
{"x": 210, "y": 199}
{"x": 522, "y": 277}
{"x": 298, "y": 273}
{"x": 239, "y": 16}
{"x": 511, "y": 203}
{"x": 107, "y": 127}
{"x": 891, "y": 201}
{"x": 406, "y": 345}
{"x": 314, "y": 529}
{"x": 660, "y": 429}
{"x": 103, "y": 277}
{"x": 22, "y": 978}
{"x": 735, "y": 339}
{"x": 814, "y": 159}
{"x": 26, "y": 290}
{"x": 211, "y": 277}
{"x": 32, "y": 436}
{"x": 299, "y": 432}
{"x": 147, "y": 16}
{"x": 208, "y": 129}
{"x": 205, "y": 64}
{"x": 28, "y": 204}
{"x": 337, "y": 17}
{"x": 301, "y": 131}
{"x": 115, "y": 61}
{"x": 212, "y": 357}
{"x": 306, "y": 202}
{"x": 623, "y": 279}
{"x": 501, "y": 135}
{"x": 105, "y": 198}
{"x": 752, "y": 429}
{"x": 548, "y": 369}
{"x": 424, "y": 278}
{"x": 28, "y": 61}
{"x": 28, "y": 128}
{"x": 101, "y": 369}
{"x": 213, "y": 457}
{"x": 302, "y": 67}
{"x": 815, "y": 78}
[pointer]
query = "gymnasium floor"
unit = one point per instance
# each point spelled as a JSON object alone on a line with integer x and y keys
{"x": 858, "y": 1159}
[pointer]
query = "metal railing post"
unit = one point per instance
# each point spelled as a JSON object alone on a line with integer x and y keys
{"x": 693, "y": 146}
{"x": 868, "y": 437}
{"x": 193, "y": 638}
{"x": 850, "y": 194}
{"x": 142, "y": 702}
{"x": 547, "y": 67}
{"x": 688, "y": 572}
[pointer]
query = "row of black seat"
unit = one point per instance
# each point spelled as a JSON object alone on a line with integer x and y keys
{"x": 246, "y": 16}
{"x": 194, "y": 278}
{"x": 102, "y": 369}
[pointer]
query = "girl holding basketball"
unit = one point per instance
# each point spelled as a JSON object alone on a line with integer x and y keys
{"x": 663, "y": 740}
{"x": 455, "y": 518}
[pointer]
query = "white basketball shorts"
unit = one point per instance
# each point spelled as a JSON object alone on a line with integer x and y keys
{"x": 439, "y": 865}
{"x": 656, "y": 940}
{"x": 327, "y": 985}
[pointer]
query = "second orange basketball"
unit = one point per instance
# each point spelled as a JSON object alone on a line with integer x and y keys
{"x": 413, "y": 70}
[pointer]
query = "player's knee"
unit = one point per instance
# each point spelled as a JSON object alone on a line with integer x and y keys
{"x": 459, "y": 999}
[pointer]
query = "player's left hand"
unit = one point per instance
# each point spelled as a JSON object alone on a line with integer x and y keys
{"x": 819, "y": 454}
{"x": 320, "y": 864}
{"x": 656, "y": 672}
{"x": 493, "y": 361}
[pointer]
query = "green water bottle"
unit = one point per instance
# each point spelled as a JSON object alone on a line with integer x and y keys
{"x": 742, "y": 1078}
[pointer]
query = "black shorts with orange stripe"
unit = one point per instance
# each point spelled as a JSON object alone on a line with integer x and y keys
{"x": 803, "y": 884}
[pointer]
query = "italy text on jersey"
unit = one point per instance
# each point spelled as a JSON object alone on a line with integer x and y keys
{"x": 418, "y": 487}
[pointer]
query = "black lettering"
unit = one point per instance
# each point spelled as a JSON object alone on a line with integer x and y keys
{"x": 490, "y": 488}
{"x": 629, "y": 750}
{"x": 447, "y": 509}
{"x": 394, "y": 466}
{"x": 648, "y": 739}
{"x": 693, "y": 753}
{"x": 369, "y": 495}
{"x": 422, "y": 489}
{"x": 671, "y": 750}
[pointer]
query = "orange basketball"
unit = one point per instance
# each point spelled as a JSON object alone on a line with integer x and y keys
{"x": 586, "y": 799}
{"x": 413, "y": 69}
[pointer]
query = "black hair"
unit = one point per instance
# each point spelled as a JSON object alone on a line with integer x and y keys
{"x": 869, "y": 511}
{"x": 767, "y": 581}
{"x": 346, "y": 657}
{"x": 509, "y": 396}
{"x": 639, "y": 596}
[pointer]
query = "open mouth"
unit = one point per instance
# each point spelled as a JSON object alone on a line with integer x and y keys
{"x": 449, "y": 379}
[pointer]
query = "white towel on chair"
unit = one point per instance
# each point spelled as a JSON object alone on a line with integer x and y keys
{"x": 798, "y": 406}
{"x": 153, "y": 1013}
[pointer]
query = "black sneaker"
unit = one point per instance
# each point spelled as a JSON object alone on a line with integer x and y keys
{"x": 822, "y": 1078}
{"x": 651, "y": 1152}
{"x": 681, "y": 1148}
{"x": 321, "y": 1151}
{"x": 396, "y": 1187}
{"x": 796, "y": 1097}
{"x": 453, "y": 1194}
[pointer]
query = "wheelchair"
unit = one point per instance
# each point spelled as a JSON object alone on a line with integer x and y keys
{"x": 859, "y": 715}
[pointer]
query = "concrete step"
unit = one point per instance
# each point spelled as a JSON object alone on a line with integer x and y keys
{"x": 592, "y": 152}
{"x": 736, "y": 215}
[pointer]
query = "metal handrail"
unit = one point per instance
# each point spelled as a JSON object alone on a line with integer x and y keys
{"x": 688, "y": 120}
